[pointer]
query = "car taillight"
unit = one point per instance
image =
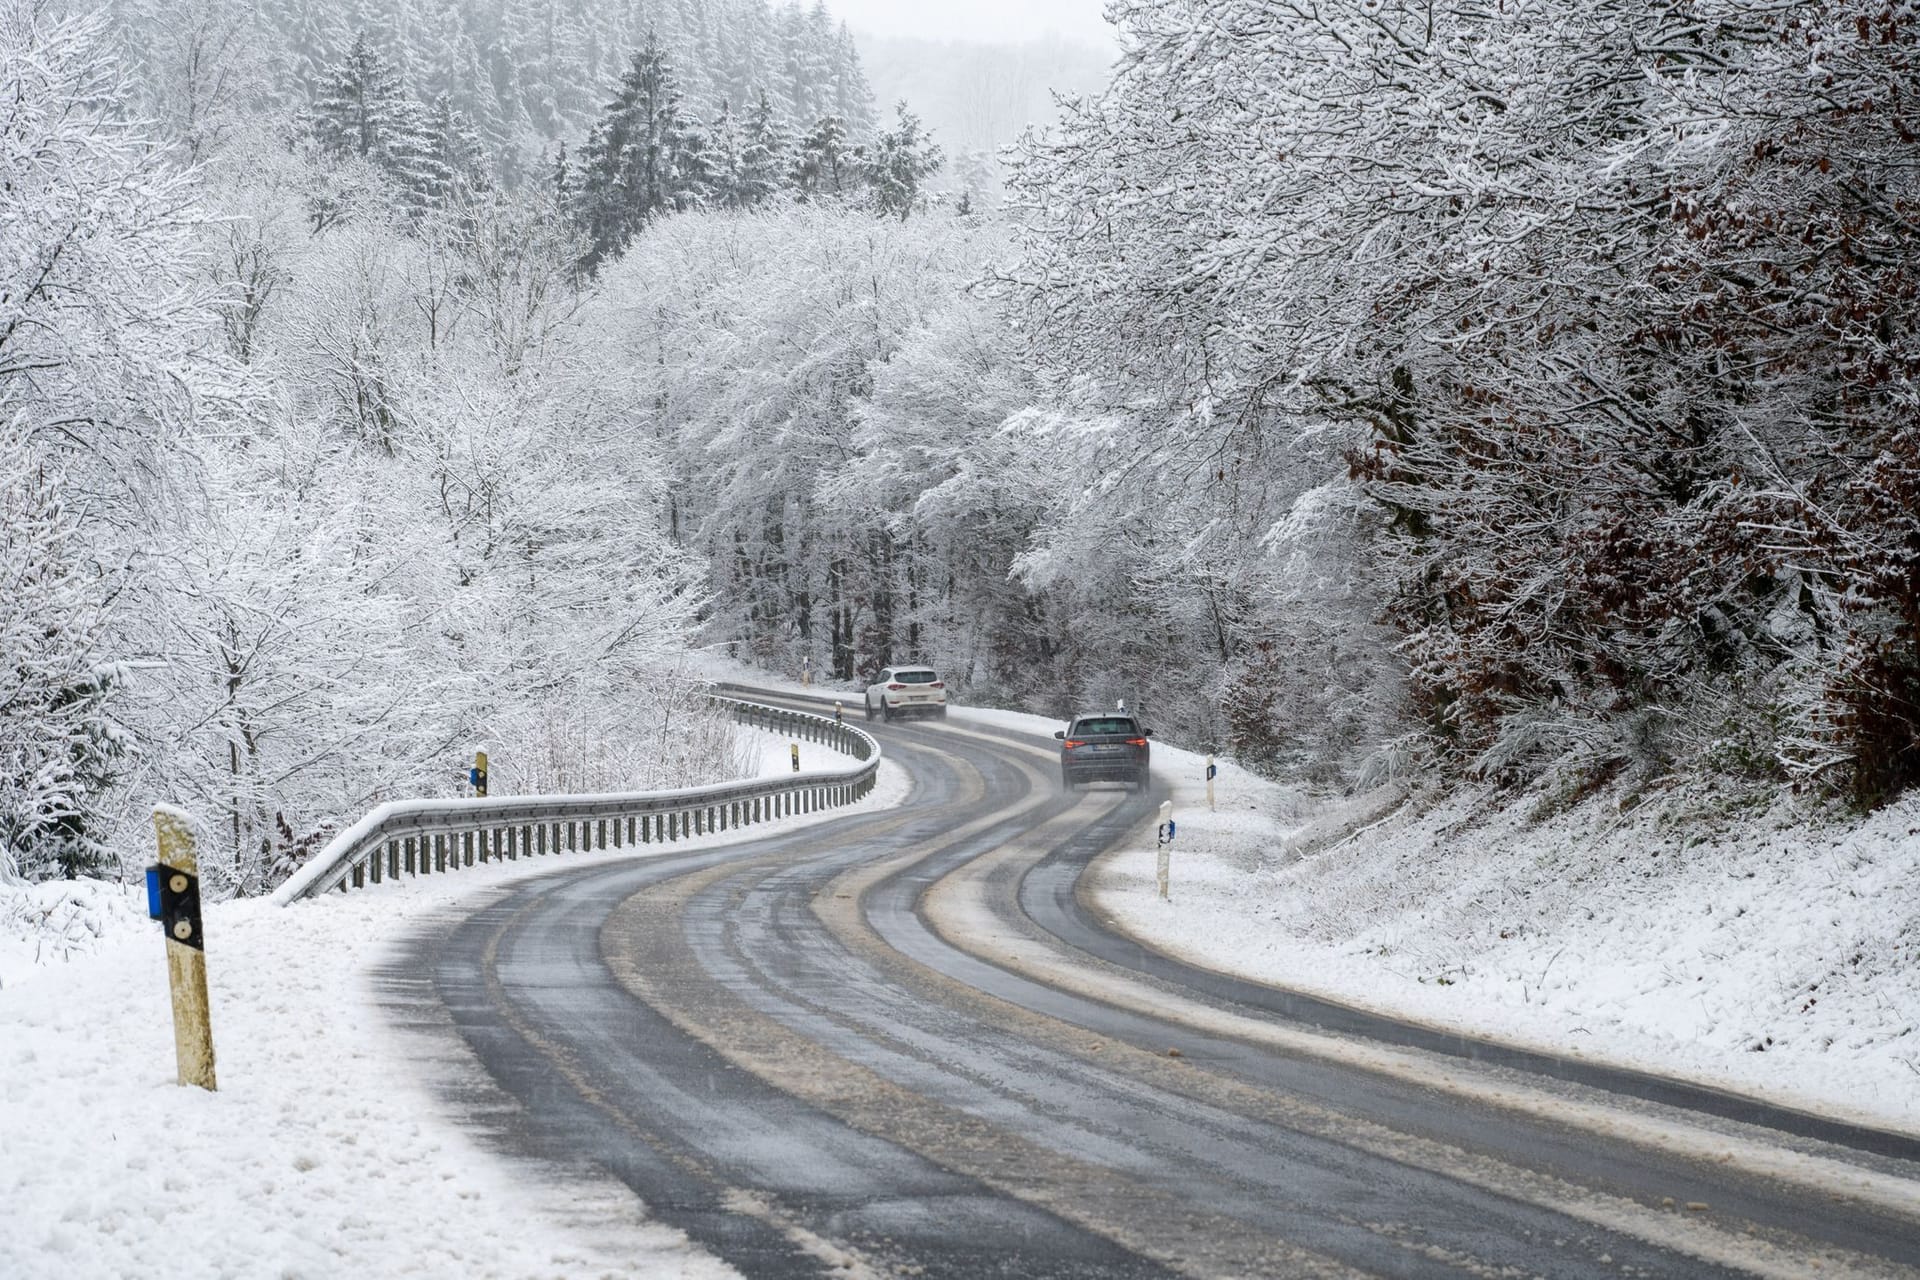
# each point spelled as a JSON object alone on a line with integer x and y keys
{"x": 896, "y": 686}
{"x": 1071, "y": 743}
{"x": 938, "y": 684}
{"x": 1136, "y": 742}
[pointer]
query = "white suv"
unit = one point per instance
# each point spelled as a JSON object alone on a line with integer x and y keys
{"x": 899, "y": 690}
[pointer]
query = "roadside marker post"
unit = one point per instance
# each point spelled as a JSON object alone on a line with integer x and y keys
{"x": 1166, "y": 840}
{"x": 806, "y": 670}
{"x": 1211, "y": 770}
{"x": 478, "y": 774}
{"x": 796, "y": 757}
{"x": 173, "y": 898}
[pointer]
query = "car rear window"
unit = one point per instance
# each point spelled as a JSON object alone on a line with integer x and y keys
{"x": 1098, "y": 725}
{"x": 915, "y": 677}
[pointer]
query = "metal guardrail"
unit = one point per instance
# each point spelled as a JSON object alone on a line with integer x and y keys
{"x": 429, "y": 837}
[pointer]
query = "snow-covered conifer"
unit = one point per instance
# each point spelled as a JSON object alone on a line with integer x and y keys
{"x": 58, "y": 738}
{"x": 901, "y": 160}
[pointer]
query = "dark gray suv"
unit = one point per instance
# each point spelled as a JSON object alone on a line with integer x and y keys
{"x": 1104, "y": 748}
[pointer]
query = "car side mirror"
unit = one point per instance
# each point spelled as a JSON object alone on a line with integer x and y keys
{"x": 1060, "y": 733}
{"x": 1146, "y": 733}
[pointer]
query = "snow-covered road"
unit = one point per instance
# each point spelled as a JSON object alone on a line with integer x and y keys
{"x": 877, "y": 1044}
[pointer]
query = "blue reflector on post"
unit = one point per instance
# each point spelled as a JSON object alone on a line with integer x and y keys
{"x": 153, "y": 892}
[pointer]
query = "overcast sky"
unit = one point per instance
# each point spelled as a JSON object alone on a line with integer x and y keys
{"x": 977, "y": 19}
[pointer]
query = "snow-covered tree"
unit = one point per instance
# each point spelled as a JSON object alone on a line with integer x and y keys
{"x": 59, "y": 742}
{"x": 642, "y": 159}
{"x": 824, "y": 162}
{"x": 364, "y": 111}
{"x": 900, "y": 162}
{"x": 764, "y": 148}
{"x": 1582, "y": 295}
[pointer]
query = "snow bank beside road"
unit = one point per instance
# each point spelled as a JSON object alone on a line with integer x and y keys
{"x": 1752, "y": 948}
{"x": 323, "y": 1153}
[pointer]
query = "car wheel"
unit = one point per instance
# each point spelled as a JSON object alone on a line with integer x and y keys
{"x": 886, "y": 710}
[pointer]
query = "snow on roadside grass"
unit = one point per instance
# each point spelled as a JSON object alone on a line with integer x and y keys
{"x": 325, "y": 1151}
{"x": 59, "y": 920}
{"x": 1751, "y": 947}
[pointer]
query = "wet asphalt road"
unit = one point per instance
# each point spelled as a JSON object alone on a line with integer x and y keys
{"x": 901, "y": 1043}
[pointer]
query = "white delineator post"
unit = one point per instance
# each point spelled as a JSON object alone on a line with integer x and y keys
{"x": 178, "y": 883}
{"x": 1166, "y": 840}
{"x": 1210, "y": 772}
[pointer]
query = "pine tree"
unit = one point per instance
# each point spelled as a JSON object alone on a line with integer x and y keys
{"x": 640, "y": 160}
{"x": 311, "y": 32}
{"x": 726, "y": 160}
{"x": 393, "y": 30}
{"x": 364, "y": 110}
{"x": 561, "y": 179}
{"x": 763, "y": 155}
{"x": 57, "y": 742}
{"x": 903, "y": 158}
{"x": 853, "y": 96}
{"x": 691, "y": 164}
{"x": 825, "y": 164}
{"x": 359, "y": 104}
{"x": 456, "y": 164}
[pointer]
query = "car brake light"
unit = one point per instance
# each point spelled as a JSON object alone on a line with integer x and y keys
{"x": 1071, "y": 743}
{"x": 1136, "y": 742}
{"x": 938, "y": 684}
{"x": 896, "y": 686}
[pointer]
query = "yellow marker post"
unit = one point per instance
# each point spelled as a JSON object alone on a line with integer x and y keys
{"x": 174, "y": 883}
{"x": 479, "y": 775}
{"x": 796, "y": 757}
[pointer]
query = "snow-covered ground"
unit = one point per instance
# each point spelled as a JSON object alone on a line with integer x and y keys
{"x": 1701, "y": 934}
{"x": 304, "y": 1163}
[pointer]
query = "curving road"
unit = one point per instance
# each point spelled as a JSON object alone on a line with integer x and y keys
{"x": 898, "y": 1043}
